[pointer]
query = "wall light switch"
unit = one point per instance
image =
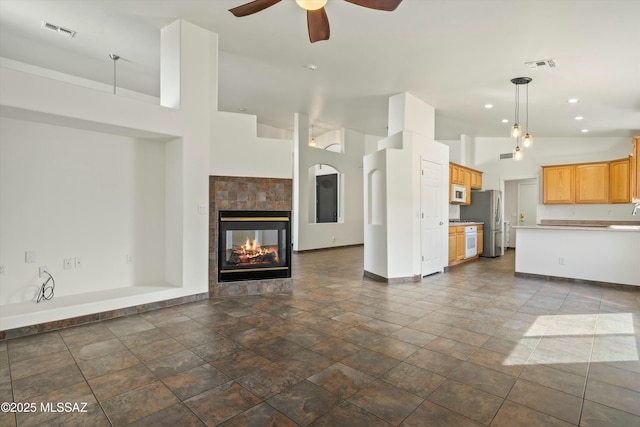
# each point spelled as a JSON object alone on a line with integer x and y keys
{"x": 3, "y": 269}
{"x": 67, "y": 263}
{"x": 202, "y": 209}
{"x": 78, "y": 262}
{"x": 30, "y": 257}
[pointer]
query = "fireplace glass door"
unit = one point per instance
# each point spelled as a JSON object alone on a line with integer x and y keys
{"x": 253, "y": 245}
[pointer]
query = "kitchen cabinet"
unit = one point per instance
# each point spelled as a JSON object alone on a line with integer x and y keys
{"x": 462, "y": 175}
{"x": 467, "y": 185}
{"x": 476, "y": 180}
{"x": 634, "y": 171}
{"x": 460, "y": 243}
{"x": 452, "y": 244}
{"x": 558, "y": 184}
{"x": 457, "y": 244}
{"x": 480, "y": 240}
{"x": 620, "y": 180}
{"x": 592, "y": 183}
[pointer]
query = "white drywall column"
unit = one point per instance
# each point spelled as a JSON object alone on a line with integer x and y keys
{"x": 392, "y": 178}
{"x": 191, "y": 86}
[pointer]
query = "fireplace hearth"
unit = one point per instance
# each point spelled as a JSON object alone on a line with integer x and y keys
{"x": 254, "y": 245}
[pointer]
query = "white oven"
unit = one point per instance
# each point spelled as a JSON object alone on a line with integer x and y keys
{"x": 471, "y": 241}
{"x": 458, "y": 193}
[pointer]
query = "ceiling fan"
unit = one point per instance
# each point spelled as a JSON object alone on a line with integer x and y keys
{"x": 317, "y": 21}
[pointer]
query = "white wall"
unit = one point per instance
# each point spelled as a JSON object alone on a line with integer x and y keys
{"x": 71, "y": 193}
{"x": 306, "y": 233}
{"x": 550, "y": 151}
{"x": 237, "y": 151}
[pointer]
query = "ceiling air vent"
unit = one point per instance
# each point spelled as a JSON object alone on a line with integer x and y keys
{"x": 58, "y": 29}
{"x": 506, "y": 156}
{"x": 542, "y": 64}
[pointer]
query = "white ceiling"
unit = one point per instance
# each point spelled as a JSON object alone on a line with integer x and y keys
{"x": 456, "y": 55}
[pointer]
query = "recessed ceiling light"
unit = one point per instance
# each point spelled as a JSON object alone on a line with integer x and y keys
{"x": 578, "y": 118}
{"x": 584, "y": 130}
{"x": 573, "y": 100}
{"x": 312, "y": 67}
{"x": 505, "y": 120}
{"x": 488, "y": 106}
{"x": 242, "y": 109}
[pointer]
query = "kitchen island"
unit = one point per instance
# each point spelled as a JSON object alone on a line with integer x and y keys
{"x": 602, "y": 254}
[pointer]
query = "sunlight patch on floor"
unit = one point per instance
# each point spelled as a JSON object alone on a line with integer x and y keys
{"x": 577, "y": 338}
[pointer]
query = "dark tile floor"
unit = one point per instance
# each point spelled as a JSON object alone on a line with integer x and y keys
{"x": 474, "y": 346}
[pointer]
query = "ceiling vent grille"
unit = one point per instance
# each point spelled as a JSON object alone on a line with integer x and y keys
{"x": 542, "y": 64}
{"x": 58, "y": 29}
{"x": 506, "y": 156}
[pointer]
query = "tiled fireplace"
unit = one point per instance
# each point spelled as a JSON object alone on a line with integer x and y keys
{"x": 252, "y": 215}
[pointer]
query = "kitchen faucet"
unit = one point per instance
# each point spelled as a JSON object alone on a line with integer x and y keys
{"x": 635, "y": 209}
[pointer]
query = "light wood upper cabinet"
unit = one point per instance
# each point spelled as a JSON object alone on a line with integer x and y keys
{"x": 462, "y": 175}
{"x": 634, "y": 171}
{"x": 467, "y": 185}
{"x": 476, "y": 180}
{"x": 620, "y": 180}
{"x": 592, "y": 183}
{"x": 558, "y": 184}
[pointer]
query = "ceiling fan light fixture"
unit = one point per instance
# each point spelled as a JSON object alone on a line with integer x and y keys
{"x": 311, "y": 4}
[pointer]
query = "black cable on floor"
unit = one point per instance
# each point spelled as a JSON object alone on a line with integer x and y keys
{"x": 46, "y": 292}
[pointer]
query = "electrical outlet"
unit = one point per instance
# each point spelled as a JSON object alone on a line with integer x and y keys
{"x": 561, "y": 260}
{"x": 67, "y": 263}
{"x": 3, "y": 269}
{"x": 128, "y": 259}
{"x": 30, "y": 257}
{"x": 41, "y": 271}
{"x": 78, "y": 262}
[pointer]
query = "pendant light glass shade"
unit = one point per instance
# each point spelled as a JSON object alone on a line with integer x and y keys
{"x": 312, "y": 141}
{"x": 517, "y": 153}
{"x": 311, "y": 4}
{"x": 516, "y": 131}
{"x": 527, "y": 141}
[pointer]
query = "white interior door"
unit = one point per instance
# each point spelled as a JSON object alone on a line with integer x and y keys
{"x": 527, "y": 205}
{"x": 432, "y": 219}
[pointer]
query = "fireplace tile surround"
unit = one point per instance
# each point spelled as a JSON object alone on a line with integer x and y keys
{"x": 245, "y": 193}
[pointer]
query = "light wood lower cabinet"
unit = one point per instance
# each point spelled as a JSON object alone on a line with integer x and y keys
{"x": 480, "y": 240}
{"x": 457, "y": 244}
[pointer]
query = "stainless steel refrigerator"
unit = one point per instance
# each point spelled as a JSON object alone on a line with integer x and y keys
{"x": 486, "y": 207}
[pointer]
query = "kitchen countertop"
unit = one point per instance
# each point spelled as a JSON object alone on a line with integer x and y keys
{"x": 584, "y": 224}
{"x": 462, "y": 224}
{"x": 576, "y": 227}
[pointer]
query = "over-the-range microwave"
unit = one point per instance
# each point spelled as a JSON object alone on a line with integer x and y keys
{"x": 458, "y": 193}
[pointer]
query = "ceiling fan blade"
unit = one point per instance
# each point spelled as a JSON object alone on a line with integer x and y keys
{"x": 318, "y": 25}
{"x": 252, "y": 7}
{"x": 386, "y": 5}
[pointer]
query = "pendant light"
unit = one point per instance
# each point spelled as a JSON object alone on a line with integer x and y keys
{"x": 516, "y": 129}
{"x": 312, "y": 141}
{"x": 527, "y": 141}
